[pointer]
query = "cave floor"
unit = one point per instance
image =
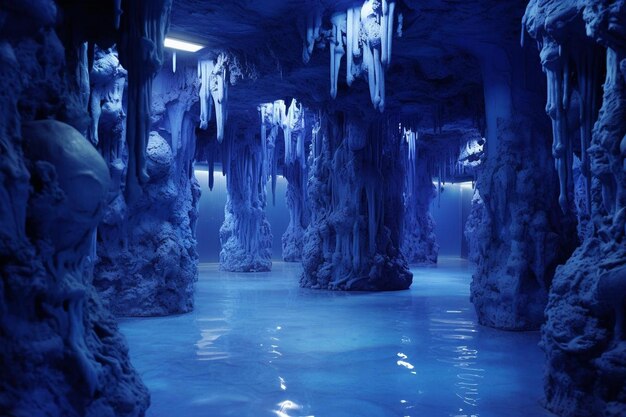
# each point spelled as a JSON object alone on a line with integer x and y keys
{"x": 258, "y": 345}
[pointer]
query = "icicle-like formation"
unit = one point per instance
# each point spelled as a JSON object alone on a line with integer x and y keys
{"x": 368, "y": 31}
{"x": 293, "y": 126}
{"x": 211, "y": 163}
{"x": 265, "y": 111}
{"x": 411, "y": 138}
{"x": 141, "y": 53}
{"x": 273, "y": 116}
{"x": 205, "y": 68}
{"x": 557, "y": 75}
{"x": 219, "y": 91}
{"x": 291, "y": 121}
{"x": 214, "y": 78}
{"x": 174, "y": 62}
{"x": 588, "y": 61}
{"x": 353, "y": 30}
{"x": 337, "y": 49}
{"x": 311, "y": 33}
{"x": 107, "y": 79}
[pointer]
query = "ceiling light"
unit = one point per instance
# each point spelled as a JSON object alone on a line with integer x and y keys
{"x": 182, "y": 45}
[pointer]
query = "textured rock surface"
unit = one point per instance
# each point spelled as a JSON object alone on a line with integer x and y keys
{"x": 517, "y": 235}
{"x": 292, "y": 239}
{"x": 60, "y": 349}
{"x": 245, "y": 235}
{"x": 355, "y": 192}
{"x": 296, "y": 172}
{"x": 583, "y": 336}
{"x": 147, "y": 258}
{"x": 419, "y": 242}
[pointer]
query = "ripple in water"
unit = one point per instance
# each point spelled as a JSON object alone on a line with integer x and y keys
{"x": 453, "y": 339}
{"x": 210, "y": 331}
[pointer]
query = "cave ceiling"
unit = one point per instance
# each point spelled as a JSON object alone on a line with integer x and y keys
{"x": 435, "y": 65}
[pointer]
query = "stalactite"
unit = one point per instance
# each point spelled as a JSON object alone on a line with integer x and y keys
{"x": 368, "y": 38}
{"x": 176, "y": 112}
{"x": 145, "y": 23}
{"x": 211, "y": 168}
{"x": 557, "y": 110}
{"x": 205, "y": 68}
{"x": 215, "y": 78}
{"x": 582, "y": 334}
{"x": 311, "y": 33}
{"x": 107, "y": 79}
{"x": 293, "y": 125}
{"x": 589, "y": 60}
{"x": 353, "y": 29}
{"x": 219, "y": 91}
{"x": 337, "y": 49}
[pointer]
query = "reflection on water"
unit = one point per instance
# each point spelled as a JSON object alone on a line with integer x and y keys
{"x": 402, "y": 361}
{"x": 461, "y": 355}
{"x": 286, "y": 407}
{"x": 259, "y": 346}
{"x": 211, "y": 329}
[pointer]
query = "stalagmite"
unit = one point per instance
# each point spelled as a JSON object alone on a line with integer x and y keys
{"x": 245, "y": 235}
{"x": 131, "y": 272}
{"x": 351, "y": 243}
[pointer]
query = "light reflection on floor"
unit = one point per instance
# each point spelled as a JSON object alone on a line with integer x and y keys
{"x": 258, "y": 345}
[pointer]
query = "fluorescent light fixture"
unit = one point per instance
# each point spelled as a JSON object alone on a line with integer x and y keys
{"x": 181, "y": 45}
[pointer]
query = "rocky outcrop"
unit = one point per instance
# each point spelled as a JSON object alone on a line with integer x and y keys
{"x": 60, "y": 349}
{"x": 245, "y": 235}
{"x": 419, "y": 244}
{"x": 147, "y": 257}
{"x": 583, "y": 336}
{"x": 292, "y": 239}
{"x": 516, "y": 232}
{"x": 355, "y": 195}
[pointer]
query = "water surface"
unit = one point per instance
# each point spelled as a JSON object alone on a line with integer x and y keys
{"x": 258, "y": 345}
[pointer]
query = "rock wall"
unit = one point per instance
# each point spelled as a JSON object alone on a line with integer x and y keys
{"x": 584, "y": 337}
{"x": 419, "y": 242}
{"x": 60, "y": 349}
{"x": 292, "y": 239}
{"x": 147, "y": 258}
{"x": 516, "y": 233}
{"x": 355, "y": 195}
{"x": 245, "y": 235}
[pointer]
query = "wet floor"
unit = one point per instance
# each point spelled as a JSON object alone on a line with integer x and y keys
{"x": 258, "y": 345}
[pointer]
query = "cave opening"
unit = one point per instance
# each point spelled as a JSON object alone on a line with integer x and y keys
{"x": 313, "y": 208}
